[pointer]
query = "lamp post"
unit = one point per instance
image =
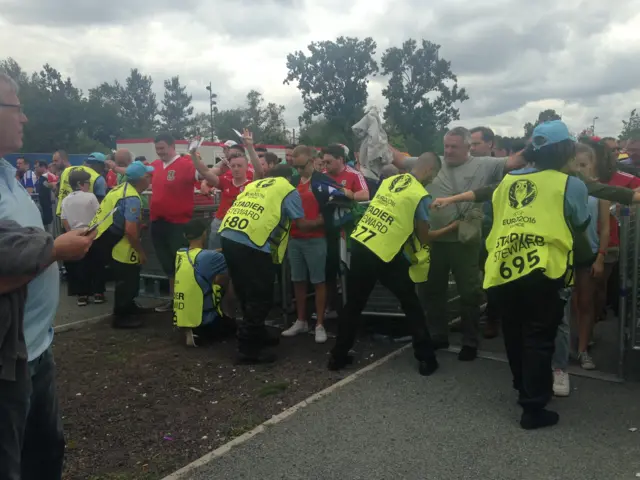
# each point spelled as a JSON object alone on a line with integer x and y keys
{"x": 212, "y": 103}
{"x": 593, "y": 125}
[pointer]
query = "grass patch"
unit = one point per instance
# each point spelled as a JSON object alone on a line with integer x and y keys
{"x": 273, "y": 389}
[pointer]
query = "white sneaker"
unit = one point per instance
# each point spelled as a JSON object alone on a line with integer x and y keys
{"x": 328, "y": 315}
{"x": 165, "y": 307}
{"x": 586, "y": 362}
{"x": 300, "y": 326}
{"x": 561, "y": 385}
{"x": 321, "y": 334}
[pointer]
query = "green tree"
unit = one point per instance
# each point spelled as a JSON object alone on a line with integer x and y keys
{"x": 422, "y": 93}
{"x": 226, "y": 120}
{"x": 333, "y": 80}
{"x": 320, "y": 133}
{"x": 176, "y": 110}
{"x": 200, "y": 125}
{"x": 543, "y": 116}
{"x": 631, "y": 127}
{"x": 138, "y": 104}
{"x": 265, "y": 120}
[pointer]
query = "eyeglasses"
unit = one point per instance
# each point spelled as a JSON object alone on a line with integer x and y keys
{"x": 12, "y": 105}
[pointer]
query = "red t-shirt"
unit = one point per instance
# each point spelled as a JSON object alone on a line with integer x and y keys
{"x": 350, "y": 179}
{"x": 172, "y": 190}
{"x": 229, "y": 193}
{"x": 311, "y": 212}
{"x": 111, "y": 178}
{"x": 620, "y": 179}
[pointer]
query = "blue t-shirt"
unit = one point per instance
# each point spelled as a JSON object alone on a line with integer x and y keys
{"x": 592, "y": 228}
{"x": 575, "y": 200}
{"x": 209, "y": 264}
{"x": 100, "y": 187}
{"x": 44, "y": 290}
{"x": 291, "y": 209}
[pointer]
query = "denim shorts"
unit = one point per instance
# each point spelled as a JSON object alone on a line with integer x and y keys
{"x": 308, "y": 255}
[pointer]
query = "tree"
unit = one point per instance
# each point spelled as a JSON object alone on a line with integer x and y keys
{"x": 227, "y": 120}
{"x": 320, "y": 133}
{"x": 176, "y": 108}
{"x": 138, "y": 104}
{"x": 200, "y": 125}
{"x": 266, "y": 122}
{"x": 333, "y": 80}
{"x": 631, "y": 127}
{"x": 543, "y": 116}
{"x": 420, "y": 95}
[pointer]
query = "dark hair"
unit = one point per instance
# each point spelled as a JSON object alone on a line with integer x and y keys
{"x": 195, "y": 228}
{"x": 141, "y": 158}
{"x": 77, "y": 177}
{"x": 487, "y": 133}
{"x": 291, "y": 146}
{"x": 166, "y": 138}
{"x": 271, "y": 158}
{"x": 335, "y": 150}
{"x": 42, "y": 163}
{"x": 238, "y": 147}
{"x": 283, "y": 171}
{"x": 261, "y": 149}
{"x": 605, "y": 159}
{"x": 608, "y": 139}
{"x": 551, "y": 157}
{"x": 62, "y": 154}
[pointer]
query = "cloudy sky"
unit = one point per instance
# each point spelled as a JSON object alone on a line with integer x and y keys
{"x": 514, "y": 57}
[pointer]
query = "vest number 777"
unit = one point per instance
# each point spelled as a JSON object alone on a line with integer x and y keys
{"x": 364, "y": 230}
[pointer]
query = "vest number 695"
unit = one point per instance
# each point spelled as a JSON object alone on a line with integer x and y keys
{"x": 237, "y": 222}
{"x": 519, "y": 262}
{"x": 370, "y": 233}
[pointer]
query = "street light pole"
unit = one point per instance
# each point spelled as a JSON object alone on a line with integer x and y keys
{"x": 593, "y": 125}
{"x": 212, "y": 103}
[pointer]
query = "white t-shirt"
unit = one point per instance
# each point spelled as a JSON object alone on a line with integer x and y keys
{"x": 79, "y": 208}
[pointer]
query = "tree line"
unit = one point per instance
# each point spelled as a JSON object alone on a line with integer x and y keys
{"x": 422, "y": 94}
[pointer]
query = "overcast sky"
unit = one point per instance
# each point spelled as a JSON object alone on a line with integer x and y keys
{"x": 514, "y": 57}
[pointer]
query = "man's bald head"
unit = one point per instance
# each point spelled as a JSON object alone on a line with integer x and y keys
{"x": 123, "y": 157}
{"x": 426, "y": 167}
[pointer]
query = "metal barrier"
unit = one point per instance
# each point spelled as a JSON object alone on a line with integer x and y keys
{"x": 629, "y": 276}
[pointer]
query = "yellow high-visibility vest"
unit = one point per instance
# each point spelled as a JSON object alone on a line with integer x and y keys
{"x": 65, "y": 187}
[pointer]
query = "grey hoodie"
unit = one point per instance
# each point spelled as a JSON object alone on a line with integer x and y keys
{"x": 24, "y": 251}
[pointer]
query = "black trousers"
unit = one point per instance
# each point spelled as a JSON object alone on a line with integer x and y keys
{"x": 31, "y": 436}
{"x": 85, "y": 277}
{"x": 491, "y": 310}
{"x": 531, "y": 310}
{"x": 252, "y": 273}
{"x": 366, "y": 269}
{"x": 126, "y": 276}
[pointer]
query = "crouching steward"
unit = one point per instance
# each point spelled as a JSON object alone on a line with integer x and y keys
{"x": 200, "y": 282}
{"x": 117, "y": 243}
{"x": 254, "y": 235}
{"x": 390, "y": 245}
{"x": 537, "y": 212}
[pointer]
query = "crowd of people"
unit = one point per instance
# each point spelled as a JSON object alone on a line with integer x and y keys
{"x": 532, "y": 231}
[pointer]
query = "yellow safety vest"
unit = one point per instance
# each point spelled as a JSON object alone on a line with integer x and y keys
{"x": 65, "y": 187}
{"x": 388, "y": 223}
{"x": 257, "y": 212}
{"x": 188, "y": 295}
{"x": 530, "y": 231}
{"x": 122, "y": 252}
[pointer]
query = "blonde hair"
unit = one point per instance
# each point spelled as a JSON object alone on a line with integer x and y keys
{"x": 303, "y": 150}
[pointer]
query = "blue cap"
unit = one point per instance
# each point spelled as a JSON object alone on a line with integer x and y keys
{"x": 548, "y": 133}
{"x": 96, "y": 157}
{"x": 137, "y": 170}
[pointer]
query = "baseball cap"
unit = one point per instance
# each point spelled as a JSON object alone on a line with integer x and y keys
{"x": 137, "y": 170}
{"x": 96, "y": 157}
{"x": 549, "y": 133}
{"x": 230, "y": 143}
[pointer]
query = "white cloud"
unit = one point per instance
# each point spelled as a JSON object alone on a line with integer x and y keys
{"x": 515, "y": 58}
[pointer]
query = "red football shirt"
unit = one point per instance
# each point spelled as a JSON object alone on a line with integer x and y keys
{"x": 311, "y": 212}
{"x": 229, "y": 193}
{"x": 620, "y": 179}
{"x": 172, "y": 190}
{"x": 350, "y": 179}
{"x": 111, "y": 178}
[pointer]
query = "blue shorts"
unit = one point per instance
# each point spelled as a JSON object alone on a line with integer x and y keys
{"x": 308, "y": 255}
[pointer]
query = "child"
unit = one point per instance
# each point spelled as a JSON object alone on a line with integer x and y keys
{"x": 78, "y": 209}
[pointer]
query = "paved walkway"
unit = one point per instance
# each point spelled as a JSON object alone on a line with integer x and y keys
{"x": 392, "y": 424}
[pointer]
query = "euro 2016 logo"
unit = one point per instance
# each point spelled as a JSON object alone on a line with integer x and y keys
{"x": 266, "y": 183}
{"x": 400, "y": 183}
{"x": 522, "y": 193}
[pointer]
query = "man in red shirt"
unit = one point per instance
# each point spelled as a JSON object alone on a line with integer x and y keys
{"x": 355, "y": 188}
{"x": 307, "y": 250}
{"x": 172, "y": 202}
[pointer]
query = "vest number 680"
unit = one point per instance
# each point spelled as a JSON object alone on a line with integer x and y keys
{"x": 519, "y": 262}
{"x": 237, "y": 222}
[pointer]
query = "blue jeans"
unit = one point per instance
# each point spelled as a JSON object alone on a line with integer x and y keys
{"x": 560, "y": 359}
{"x": 31, "y": 437}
